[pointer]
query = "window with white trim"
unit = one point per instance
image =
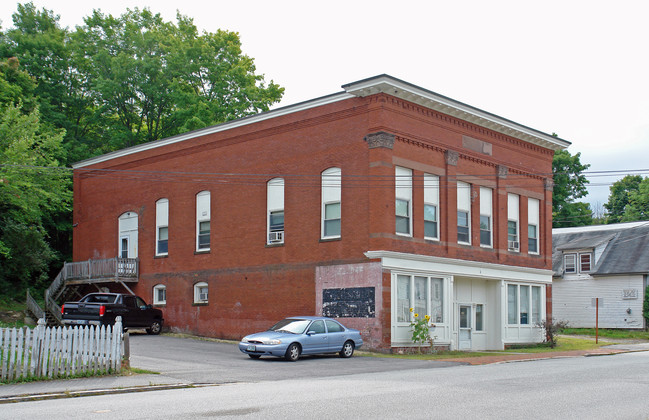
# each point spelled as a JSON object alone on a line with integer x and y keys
{"x": 159, "y": 294}
{"x": 479, "y": 317}
{"x": 533, "y": 219}
{"x": 570, "y": 263}
{"x": 162, "y": 227}
{"x": 585, "y": 262}
{"x": 512, "y": 222}
{"x": 424, "y": 294}
{"x": 431, "y": 207}
{"x": 331, "y": 203}
{"x": 463, "y": 213}
{"x": 403, "y": 202}
{"x": 203, "y": 221}
{"x": 275, "y": 211}
{"x": 523, "y": 304}
{"x": 201, "y": 292}
{"x": 486, "y": 220}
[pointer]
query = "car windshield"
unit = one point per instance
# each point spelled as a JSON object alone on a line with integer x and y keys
{"x": 294, "y": 326}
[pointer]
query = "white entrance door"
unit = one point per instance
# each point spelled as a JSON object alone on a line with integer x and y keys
{"x": 127, "y": 245}
{"x": 465, "y": 328}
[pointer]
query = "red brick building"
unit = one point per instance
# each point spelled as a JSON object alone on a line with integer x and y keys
{"x": 358, "y": 205}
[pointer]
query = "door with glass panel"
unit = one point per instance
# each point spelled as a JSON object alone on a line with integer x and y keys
{"x": 465, "y": 327}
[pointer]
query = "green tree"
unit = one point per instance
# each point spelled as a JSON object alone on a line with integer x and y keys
{"x": 32, "y": 187}
{"x": 47, "y": 52}
{"x": 625, "y": 202}
{"x": 569, "y": 185}
{"x": 155, "y": 79}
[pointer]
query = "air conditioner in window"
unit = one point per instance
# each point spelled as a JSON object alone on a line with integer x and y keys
{"x": 275, "y": 237}
{"x": 512, "y": 245}
{"x": 202, "y": 297}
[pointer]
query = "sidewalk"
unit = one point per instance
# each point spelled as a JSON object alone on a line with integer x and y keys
{"x": 68, "y": 388}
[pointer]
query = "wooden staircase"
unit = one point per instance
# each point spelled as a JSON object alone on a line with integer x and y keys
{"x": 72, "y": 279}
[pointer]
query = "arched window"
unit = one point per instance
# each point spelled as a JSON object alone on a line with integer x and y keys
{"x": 203, "y": 221}
{"x": 201, "y": 292}
{"x": 331, "y": 210}
{"x": 275, "y": 211}
{"x": 159, "y": 294}
{"x": 162, "y": 226}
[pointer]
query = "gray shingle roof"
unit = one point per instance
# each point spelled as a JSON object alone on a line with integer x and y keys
{"x": 626, "y": 252}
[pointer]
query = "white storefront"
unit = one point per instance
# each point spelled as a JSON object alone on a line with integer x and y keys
{"x": 474, "y": 305}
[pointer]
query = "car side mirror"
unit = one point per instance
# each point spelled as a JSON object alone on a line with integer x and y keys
{"x": 311, "y": 333}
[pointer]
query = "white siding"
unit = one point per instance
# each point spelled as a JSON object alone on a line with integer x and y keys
{"x": 572, "y": 301}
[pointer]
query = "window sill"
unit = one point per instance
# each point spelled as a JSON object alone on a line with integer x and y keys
{"x": 202, "y": 251}
{"x": 161, "y": 256}
{"x": 279, "y": 244}
{"x": 159, "y": 305}
{"x": 331, "y": 239}
{"x": 200, "y": 304}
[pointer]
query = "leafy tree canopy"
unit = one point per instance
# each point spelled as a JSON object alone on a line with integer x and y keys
{"x": 569, "y": 185}
{"x": 628, "y": 200}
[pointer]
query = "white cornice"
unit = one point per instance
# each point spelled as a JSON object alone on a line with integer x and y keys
{"x": 217, "y": 128}
{"x": 409, "y": 92}
{"x": 404, "y": 261}
{"x": 379, "y": 84}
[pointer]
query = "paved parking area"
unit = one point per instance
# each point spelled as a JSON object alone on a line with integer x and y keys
{"x": 193, "y": 360}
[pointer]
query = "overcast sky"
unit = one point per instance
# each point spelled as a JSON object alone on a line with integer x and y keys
{"x": 576, "y": 68}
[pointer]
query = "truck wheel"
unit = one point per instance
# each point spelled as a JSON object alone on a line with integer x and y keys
{"x": 155, "y": 328}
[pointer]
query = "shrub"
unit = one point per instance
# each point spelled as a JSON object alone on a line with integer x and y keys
{"x": 552, "y": 327}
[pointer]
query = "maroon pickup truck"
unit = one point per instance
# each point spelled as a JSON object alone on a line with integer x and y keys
{"x": 103, "y": 308}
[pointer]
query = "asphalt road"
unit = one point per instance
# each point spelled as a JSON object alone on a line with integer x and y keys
{"x": 603, "y": 387}
{"x": 210, "y": 362}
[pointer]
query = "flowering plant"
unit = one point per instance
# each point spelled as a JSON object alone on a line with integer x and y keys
{"x": 420, "y": 327}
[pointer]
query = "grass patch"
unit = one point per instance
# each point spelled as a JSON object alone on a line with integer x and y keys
{"x": 609, "y": 333}
{"x": 564, "y": 344}
{"x": 138, "y": 371}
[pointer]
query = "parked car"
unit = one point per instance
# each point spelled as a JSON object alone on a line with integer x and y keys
{"x": 103, "y": 308}
{"x": 295, "y": 336}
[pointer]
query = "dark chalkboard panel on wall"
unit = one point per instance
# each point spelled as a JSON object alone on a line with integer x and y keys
{"x": 351, "y": 302}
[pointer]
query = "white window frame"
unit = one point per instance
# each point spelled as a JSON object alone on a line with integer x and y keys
{"x": 162, "y": 222}
{"x": 464, "y": 206}
{"x": 533, "y": 221}
{"x": 156, "y": 289}
{"x": 570, "y": 256}
{"x": 431, "y": 295}
{"x": 486, "y": 210}
{"x": 203, "y": 214}
{"x": 590, "y": 262}
{"x": 431, "y": 199}
{"x": 331, "y": 195}
{"x": 274, "y": 205}
{"x": 201, "y": 288}
{"x": 513, "y": 217}
{"x": 532, "y": 317}
{"x": 403, "y": 192}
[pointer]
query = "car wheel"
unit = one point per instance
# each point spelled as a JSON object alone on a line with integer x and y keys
{"x": 292, "y": 352}
{"x": 348, "y": 349}
{"x": 155, "y": 328}
{"x": 254, "y": 356}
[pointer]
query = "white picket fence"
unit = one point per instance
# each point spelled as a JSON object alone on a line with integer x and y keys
{"x": 46, "y": 352}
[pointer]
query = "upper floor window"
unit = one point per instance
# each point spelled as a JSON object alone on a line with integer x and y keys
{"x": 585, "y": 262}
{"x": 403, "y": 202}
{"x": 512, "y": 222}
{"x": 275, "y": 211}
{"x": 431, "y": 206}
{"x": 577, "y": 262}
{"x": 533, "y": 226}
{"x": 463, "y": 212}
{"x": 331, "y": 195}
{"x": 162, "y": 226}
{"x": 570, "y": 263}
{"x": 486, "y": 217}
{"x": 203, "y": 221}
